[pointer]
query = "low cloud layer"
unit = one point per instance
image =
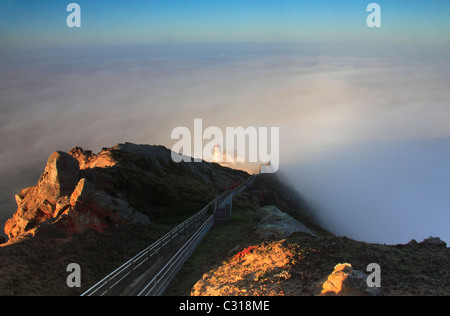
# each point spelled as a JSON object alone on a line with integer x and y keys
{"x": 338, "y": 109}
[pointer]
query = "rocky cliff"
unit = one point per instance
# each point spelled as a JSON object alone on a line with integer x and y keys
{"x": 127, "y": 183}
{"x": 63, "y": 201}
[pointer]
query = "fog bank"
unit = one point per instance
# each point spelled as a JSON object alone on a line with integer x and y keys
{"x": 363, "y": 131}
{"x": 386, "y": 192}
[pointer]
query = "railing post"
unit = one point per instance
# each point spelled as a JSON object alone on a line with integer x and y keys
{"x": 215, "y": 204}
{"x": 231, "y": 205}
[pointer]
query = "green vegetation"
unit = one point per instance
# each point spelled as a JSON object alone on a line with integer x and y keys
{"x": 220, "y": 243}
{"x": 167, "y": 192}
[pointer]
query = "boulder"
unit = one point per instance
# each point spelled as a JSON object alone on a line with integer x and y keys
{"x": 43, "y": 201}
{"x": 274, "y": 224}
{"x": 84, "y": 193}
{"x": 32, "y": 208}
{"x": 433, "y": 241}
{"x": 60, "y": 177}
{"x": 345, "y": 281}
{"x": 412, "y": 243}
{"x": 92, "y": 209}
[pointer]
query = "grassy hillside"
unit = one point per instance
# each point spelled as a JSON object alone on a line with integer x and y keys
{"x": 233, "y": 261}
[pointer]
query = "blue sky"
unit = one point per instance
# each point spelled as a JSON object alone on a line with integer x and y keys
{"x": 42, "y": 22}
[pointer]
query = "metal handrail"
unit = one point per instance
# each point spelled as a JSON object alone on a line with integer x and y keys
{"x": 109, "y": 285}
{"x": 163, "y": 278}
{"x": 105, "y": 285}
{"x": 168, "y": 272}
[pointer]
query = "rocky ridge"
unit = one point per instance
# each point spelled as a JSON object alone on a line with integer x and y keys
{"x": 100, "y": 209}
{"x": 65, "y": 202}
{"x": 80, "y": 190}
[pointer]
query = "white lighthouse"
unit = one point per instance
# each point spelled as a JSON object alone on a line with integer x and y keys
{"x": 218, "y": 155}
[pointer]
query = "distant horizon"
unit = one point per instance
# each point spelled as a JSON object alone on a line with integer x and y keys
{"x": 39, "y": 23}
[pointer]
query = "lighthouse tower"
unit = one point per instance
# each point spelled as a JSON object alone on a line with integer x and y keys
{"x": 218, "y": 155}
